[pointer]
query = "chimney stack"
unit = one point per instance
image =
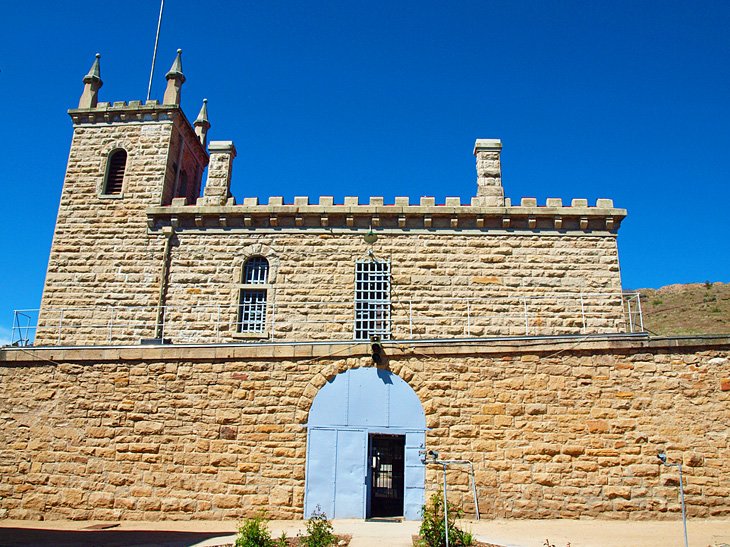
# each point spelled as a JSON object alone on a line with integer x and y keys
{"x": 489, "y": 173}
{"x": 218, "y": 186}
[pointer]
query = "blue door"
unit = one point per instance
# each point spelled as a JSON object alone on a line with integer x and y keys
{"x": 347, "y": 413}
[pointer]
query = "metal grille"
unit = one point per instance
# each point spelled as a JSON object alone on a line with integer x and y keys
{"x": 252, "y": 310}
{"x": 115, "y": 174}
{"x": 372, "y": 299}
{"x": 256, "y": 271}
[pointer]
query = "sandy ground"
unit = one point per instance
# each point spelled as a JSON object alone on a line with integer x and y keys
{"x": 509, "y": 533}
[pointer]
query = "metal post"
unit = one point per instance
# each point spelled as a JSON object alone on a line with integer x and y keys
{"x": 410, "y": 317}
{"x": 684, "y": 512}
{"x": 162, "y": 325}
{"x": 60, "y": 325}
{"x": 631, "y": 317}
{"x": 273, "y": 320}
{"x": 663, "y": 458}
{"x": 446, "y": 509}
{"x": 111, "y": 324}
{"x": 527, "y": 317}
{"x": 154, "y": 51}
{"x": 468, "y": 318}
{"x": 15, "y": 322}
{"x": 474, "y": 489}
{"x": 641, "y": 314}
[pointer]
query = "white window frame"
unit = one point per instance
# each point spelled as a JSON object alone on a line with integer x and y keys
{"x": 254, "y": 282}
{"x": 372, "y": 299}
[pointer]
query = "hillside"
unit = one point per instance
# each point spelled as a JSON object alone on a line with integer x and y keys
{"x": 695, "y": 308}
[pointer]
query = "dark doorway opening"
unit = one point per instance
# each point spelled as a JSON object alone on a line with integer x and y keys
{"x": 386, "y": 461}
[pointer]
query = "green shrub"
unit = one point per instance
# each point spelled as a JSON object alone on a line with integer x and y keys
{"x": 254, "y": 532}
{"x": 433, "y": 533}
{"x": 319, "y": 530}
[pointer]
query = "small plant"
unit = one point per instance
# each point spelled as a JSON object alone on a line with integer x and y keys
{"x": 708, "y": 285}
{"x": 433, "y": 532}
{"x": 254, "y": 532}
{"x": 319, "y": 530}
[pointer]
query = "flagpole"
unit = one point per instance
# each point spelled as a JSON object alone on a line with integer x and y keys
{"x": 154, "y": 52}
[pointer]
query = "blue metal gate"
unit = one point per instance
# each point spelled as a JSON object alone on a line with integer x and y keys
{"x": 355, "y": 404}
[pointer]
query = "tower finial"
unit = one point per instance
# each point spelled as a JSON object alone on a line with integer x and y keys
{"x": 175, "y": 80}
{"x": 201, "y": 123}
{"x": 92, "y": 83}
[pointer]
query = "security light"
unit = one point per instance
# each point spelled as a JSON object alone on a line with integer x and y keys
{"x": 370, "y": 237}
{"x": 662, "y": 457}
{"x": 376, "y": 349}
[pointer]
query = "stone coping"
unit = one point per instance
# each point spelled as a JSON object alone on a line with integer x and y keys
{"x": 123, "y": 112}
{"x": 392, "y": 349}
{"x": 400, "y": 216}
{"x": 426, "y": 204}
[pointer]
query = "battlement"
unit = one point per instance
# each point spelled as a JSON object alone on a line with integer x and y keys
{"x": 122, "y": 111}
{"x": 424, "y": 215}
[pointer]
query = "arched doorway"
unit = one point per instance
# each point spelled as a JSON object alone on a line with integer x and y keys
{"x": 365, "y": 429}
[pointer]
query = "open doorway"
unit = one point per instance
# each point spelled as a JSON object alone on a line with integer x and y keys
{"x": 386, "y": 474}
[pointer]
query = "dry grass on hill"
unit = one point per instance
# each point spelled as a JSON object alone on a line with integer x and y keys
{"x": 695, "y": 308}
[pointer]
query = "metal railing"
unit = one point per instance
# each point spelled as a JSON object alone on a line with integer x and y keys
{"x": 289, "y": 319}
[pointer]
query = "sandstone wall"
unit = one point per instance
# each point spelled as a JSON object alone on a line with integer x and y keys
{"x": 555, "y": 429}
{"x": 443, "y": 285}
{"x": 102, "y": 259}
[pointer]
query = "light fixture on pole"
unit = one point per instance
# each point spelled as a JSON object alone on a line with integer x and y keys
{"x": 663, "y": 458}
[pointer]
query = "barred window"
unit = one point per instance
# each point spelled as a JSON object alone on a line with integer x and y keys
{"x": 252, "y": 310}
{"x": 256, "y": 270}
{"x": 253, "y": 295}
{"x": 372, "y": 299}
{"x": 115, "y": 168}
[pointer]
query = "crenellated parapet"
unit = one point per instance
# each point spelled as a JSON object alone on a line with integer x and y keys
{"x": 122, "y": 111}
{"x": 402, "y": 215}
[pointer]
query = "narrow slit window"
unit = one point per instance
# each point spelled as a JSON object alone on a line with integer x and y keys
{"x": 253, "y": 295}
{"x": 115, "y": 173}
{"x": 372, "y": 299}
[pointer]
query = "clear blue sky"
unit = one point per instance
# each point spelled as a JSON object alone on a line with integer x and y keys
{"x": 623, "y": 99}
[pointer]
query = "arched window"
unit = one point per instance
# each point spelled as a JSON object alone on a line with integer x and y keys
{"x": 253, "y": 295}
{"x": 115, "y": 172}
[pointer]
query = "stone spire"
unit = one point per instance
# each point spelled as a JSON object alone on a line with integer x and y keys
{"x": 202, "y": 124}
{"x": 175, "y": 80}
{"x": 92, "y": 83}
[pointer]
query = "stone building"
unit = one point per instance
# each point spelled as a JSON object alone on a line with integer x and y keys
{"x": 199, "y": 358}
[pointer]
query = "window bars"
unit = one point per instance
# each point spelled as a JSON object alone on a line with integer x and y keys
{"x": 252, "y": 310}
{"x": 256, "y": 271}
{"x": 252, "y": 301}
{"x": 372, "y": 299}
